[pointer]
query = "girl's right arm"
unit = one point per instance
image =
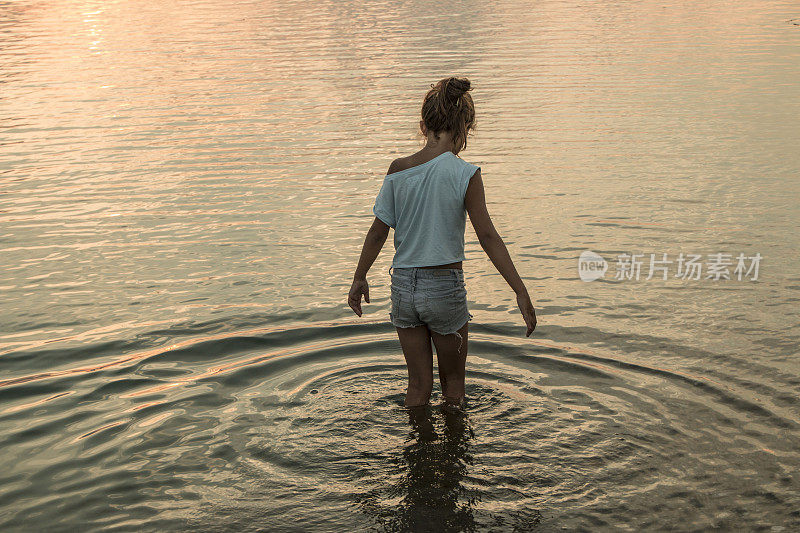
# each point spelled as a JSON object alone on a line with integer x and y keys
{"x": 495, "y": 248}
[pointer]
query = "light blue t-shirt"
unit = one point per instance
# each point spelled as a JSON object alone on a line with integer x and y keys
{"x": 425, "y": 206}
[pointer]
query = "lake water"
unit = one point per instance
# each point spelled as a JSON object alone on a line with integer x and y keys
{"x": 185, "y": 190}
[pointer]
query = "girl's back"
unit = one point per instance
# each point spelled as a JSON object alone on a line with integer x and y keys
{"x": 424, "y": 204}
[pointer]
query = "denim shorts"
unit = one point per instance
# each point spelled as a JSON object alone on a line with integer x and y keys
{"x": 436, "y": 297}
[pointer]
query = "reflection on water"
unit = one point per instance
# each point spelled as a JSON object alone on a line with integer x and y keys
{"x": 184, "y": 195}
{"x": 429, "y": 494}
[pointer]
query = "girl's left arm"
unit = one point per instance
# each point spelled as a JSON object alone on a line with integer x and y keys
{"x": 373, "y": 243}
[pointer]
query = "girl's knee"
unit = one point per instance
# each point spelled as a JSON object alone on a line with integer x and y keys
{"x": 453, "y": 384}
{"x": 423, "y": 385}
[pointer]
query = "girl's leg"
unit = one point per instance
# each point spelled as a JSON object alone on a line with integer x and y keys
{"x": 416, "y": 343}
{"x": 452, "y": 363}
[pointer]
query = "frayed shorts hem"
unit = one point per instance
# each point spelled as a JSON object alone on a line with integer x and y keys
{"x": 409, "y": 326}
{"x": 454, "y": 332}
{"x": 435, "y": 330}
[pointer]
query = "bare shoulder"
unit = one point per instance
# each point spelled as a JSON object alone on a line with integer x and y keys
{"x": 396, "y": 166}
{"x": 401, "y": 163}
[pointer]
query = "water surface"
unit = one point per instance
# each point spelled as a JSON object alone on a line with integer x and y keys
{"x": 185, "y": 191}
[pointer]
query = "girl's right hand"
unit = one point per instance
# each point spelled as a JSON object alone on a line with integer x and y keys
{"x": 528, "y": 313}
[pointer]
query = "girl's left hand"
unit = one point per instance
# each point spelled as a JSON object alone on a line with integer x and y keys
{"x": 360, "y": 286}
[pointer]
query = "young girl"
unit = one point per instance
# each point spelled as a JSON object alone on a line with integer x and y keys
{"x": 425, "y": 197}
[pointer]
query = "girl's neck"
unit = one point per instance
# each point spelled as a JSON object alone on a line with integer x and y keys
{"x": 439, "y": 147}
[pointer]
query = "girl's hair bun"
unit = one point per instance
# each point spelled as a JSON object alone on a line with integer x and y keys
{"x": 448, "y": 107}
{"x": 454, "y": 88}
